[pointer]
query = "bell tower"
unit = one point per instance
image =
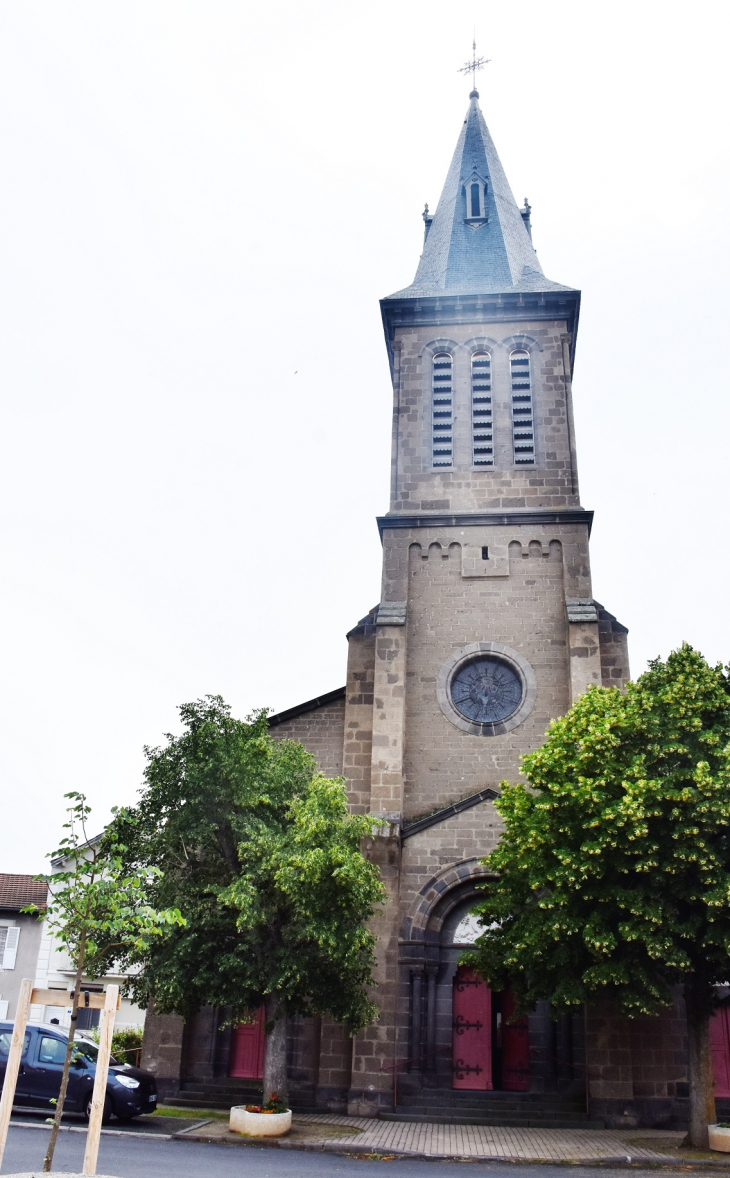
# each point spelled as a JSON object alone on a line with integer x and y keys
{"x": 481, "y": 346}
{"x": 487, "y": 627}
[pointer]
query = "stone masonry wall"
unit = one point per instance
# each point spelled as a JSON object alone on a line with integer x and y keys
{"x": 613, "y": 639}
{"x": 659, "y": 1060}
{"x": 335, "y": 1066}
{"x": 637, "y": 1068}
{"x": 358, "y": 720}
{"x": 162, "y": 1051}
{"x": 446, "y": 612}
{"x": 472, "y": 834}
{"x": 374, "y": 1048}
{"x": 321, "y": 732}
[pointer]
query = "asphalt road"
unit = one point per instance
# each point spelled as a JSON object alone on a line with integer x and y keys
{"x": 143, "y": 1157}
{"x": 155, "y": 1124}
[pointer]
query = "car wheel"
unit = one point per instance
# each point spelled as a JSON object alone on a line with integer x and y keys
{"x": 106, "y": 1116}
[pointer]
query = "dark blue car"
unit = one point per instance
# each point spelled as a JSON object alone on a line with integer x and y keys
{"x": 129, "y": 1090}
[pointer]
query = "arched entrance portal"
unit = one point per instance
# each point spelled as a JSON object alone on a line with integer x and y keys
{"x": 462, "y": 1036}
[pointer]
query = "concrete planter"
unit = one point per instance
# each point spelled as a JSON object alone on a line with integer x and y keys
{"x": 259, "y": 1124}
{"x": 719, "y": 1138}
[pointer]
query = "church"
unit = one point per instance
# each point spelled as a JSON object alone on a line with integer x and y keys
{"x": 486, "y": 629}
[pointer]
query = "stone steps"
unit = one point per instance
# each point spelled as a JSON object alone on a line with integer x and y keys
{"x": 221, "y": 1096}
{"x": 496, "y": 1119}
{"x": 437, "y": 1106}
{"x": 214, "y": 1099}
{"x": 505, "y": 1102}
{"x": 510, "y": 1109}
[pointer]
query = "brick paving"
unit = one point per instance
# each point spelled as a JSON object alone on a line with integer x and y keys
{"x": 488, "y": 1141}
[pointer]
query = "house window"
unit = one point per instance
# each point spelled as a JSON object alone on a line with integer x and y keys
{"x": 523, "y": 427}
{"x": 442, "y": 411}
{"x": 481, "y": 410}
{"x": 9, "y": 938}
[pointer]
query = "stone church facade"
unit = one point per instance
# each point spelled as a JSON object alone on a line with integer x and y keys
{"x": 487, "y": 628}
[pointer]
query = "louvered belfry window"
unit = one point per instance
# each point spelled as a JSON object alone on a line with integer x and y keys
{"x": 442, "y": 411}
{"x": 482, "y": 435}
{"x": 523, "y": 426}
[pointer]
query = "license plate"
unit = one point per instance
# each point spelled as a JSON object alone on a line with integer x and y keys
{"x": 152, "y": 1098}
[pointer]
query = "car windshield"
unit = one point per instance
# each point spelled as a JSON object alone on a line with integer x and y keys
{"x": 89, "y": 1051}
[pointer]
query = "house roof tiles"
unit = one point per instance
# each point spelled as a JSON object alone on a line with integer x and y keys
{"x": 16, "y": 891}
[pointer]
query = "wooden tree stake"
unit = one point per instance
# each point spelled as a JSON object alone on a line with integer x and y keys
{"x": 14, "y": 1057}
{"x": 102, "y": 1071}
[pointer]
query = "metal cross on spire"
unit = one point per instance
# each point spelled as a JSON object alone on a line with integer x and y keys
{"x": 476, "y": 63}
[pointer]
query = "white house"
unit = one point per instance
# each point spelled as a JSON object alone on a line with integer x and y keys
{"x": 28, "y": 950}
{"x": 20, "y": 936}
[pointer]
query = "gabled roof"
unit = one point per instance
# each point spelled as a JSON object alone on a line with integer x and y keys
{"x": 311, "y": 705}
{"x": 16, "y": 891}
{"x": 417, "y": 825}
{"x": 464, "y": 255}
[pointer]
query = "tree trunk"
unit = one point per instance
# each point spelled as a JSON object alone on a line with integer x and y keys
{"x": 275, "y": 1048}
{"x": 701, "y": 1088}
{"x": 48, "y": 1162}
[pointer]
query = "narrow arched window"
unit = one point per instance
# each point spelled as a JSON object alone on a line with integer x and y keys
{"x": 523, "y": 425}
{"x": 481, "y": 410}
{"x": 442, "y": 411}
{"x": 476, "y": 204}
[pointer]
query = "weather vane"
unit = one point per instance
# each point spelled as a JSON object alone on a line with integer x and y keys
{"x": 476, "y": 63}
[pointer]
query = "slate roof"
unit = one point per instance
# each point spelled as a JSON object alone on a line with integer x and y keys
{"x": 495, "y": 256}
{"x": 18, "y": 890}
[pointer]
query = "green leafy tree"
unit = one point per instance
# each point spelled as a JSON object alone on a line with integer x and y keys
{"x": 98, "y": 912}
{"x": 126, "y": 1043}
{"x": 260, "y": 854}
{"x": 614, "y": 866}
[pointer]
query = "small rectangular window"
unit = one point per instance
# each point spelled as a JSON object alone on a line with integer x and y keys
{"x": 485, "y": 553}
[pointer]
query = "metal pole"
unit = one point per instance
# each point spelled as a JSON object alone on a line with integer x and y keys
{"x": 102, "y": 1071}
{"x": 14, "y": 1057}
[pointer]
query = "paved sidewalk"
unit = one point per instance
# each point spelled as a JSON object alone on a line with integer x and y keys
{"x": 361, "y": 1135}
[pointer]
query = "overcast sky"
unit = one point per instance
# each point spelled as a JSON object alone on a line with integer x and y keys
{"x": 201, "y": 204}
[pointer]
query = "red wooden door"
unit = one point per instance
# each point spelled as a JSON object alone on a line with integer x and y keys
{"x": 472, "y": 1032}
{"x": 515, "y": 1048}
{"x": 247, "y": 1049}
{"x": 720, "y": 1048}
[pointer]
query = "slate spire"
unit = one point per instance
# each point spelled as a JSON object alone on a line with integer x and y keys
{"x": 478, "y": 241}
